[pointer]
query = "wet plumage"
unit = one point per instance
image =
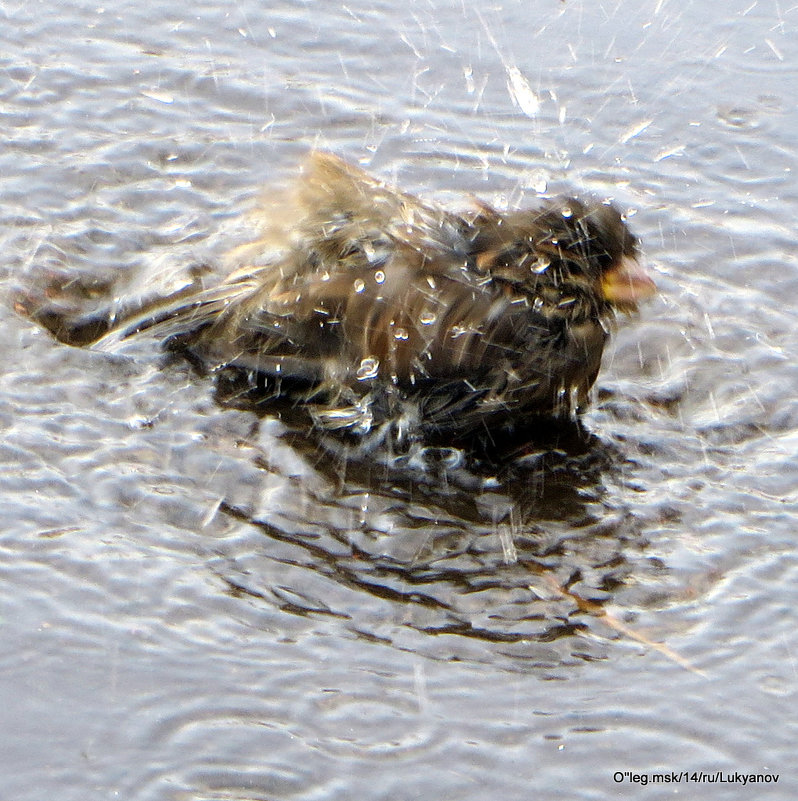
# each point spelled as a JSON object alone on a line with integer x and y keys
{"x": 376, "y": 308}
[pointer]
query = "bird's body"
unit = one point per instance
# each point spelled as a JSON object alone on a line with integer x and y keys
{"x": 378, "y": 307}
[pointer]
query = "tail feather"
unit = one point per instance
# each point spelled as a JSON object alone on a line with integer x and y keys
{"x": 173, "y": 316}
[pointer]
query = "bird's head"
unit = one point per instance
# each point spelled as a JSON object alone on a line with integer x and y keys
{"x": 569, "y": 245}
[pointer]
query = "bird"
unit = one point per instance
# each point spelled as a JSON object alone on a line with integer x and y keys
{"x": 378, "y": 311}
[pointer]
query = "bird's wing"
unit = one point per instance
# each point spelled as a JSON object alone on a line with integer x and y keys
{"x": 342, "y": 206}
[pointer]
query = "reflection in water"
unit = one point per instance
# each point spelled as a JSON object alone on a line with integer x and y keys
{"x": 498, "y": 542}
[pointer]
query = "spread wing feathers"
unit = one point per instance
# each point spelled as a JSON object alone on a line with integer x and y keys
{"x": 339, "y": 227}
{"x": 173, "y": 316}
{"x": 337, "y": 210}
{"x": 345, "y": 207}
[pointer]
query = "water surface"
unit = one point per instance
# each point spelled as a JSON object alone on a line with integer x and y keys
{"x": 202, "y": 602}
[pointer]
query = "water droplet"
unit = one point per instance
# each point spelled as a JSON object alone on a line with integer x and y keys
{"x": 567, "y": 212}
{"x": 379, "y": 276}
{"x": 535, "y": 181}
{"x": 540, "y": 266}
{"x": 359, "y": 285}
{"x": 369, "y": 369}
{"x": 427, "y": 317}
{"x": 400, "y": 333}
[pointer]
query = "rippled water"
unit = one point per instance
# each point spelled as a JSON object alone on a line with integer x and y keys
{"x": 202, "y": 602}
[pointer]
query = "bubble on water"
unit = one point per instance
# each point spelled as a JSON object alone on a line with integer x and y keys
{"x": 369, "y": 369}
{"x": 359, "y": 285}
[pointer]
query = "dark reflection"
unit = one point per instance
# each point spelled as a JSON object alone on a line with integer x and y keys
{"x": 509, "y": 538}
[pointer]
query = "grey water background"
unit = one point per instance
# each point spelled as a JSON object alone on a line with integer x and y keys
{"x": 198, "y": 602}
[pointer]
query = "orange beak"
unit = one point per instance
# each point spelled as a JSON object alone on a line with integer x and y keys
{"x": 626, "y": 284}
